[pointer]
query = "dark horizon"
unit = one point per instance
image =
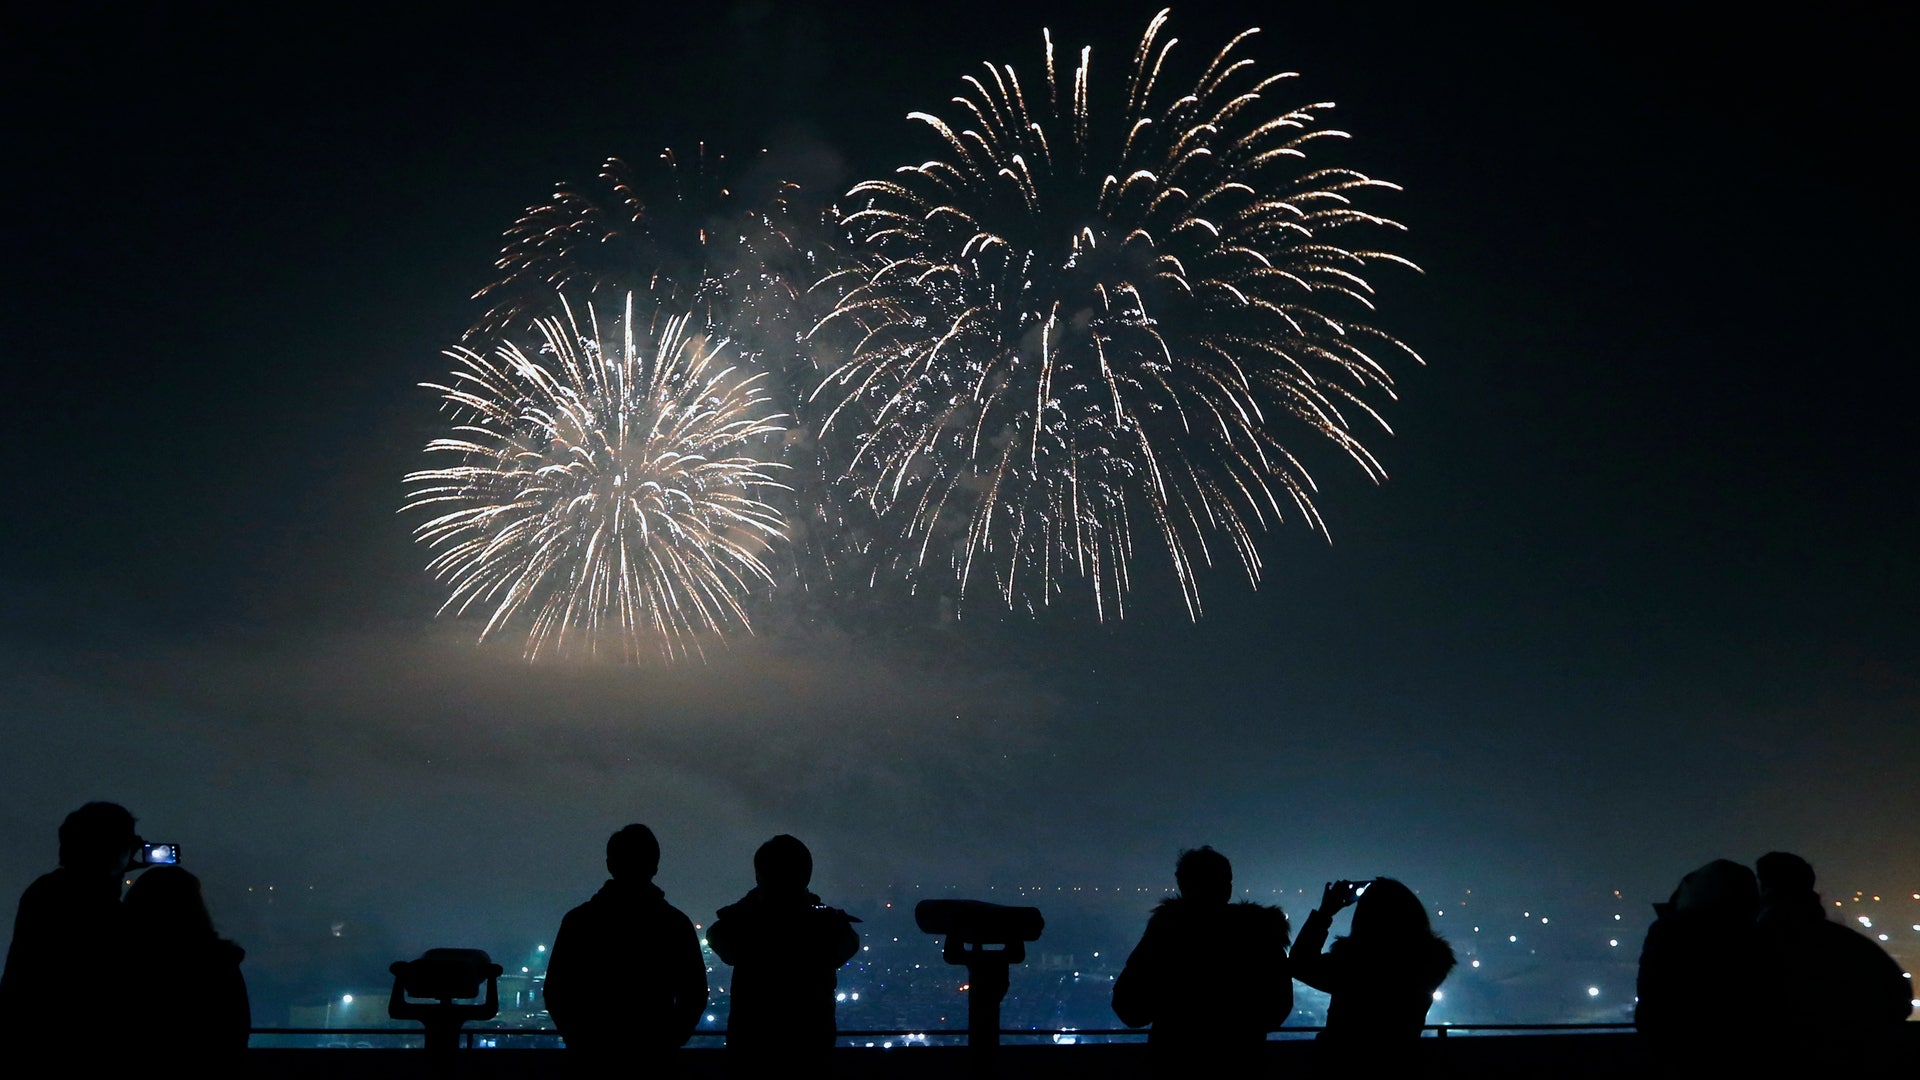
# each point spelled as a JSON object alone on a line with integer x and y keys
{"x": 1638, "y": 592}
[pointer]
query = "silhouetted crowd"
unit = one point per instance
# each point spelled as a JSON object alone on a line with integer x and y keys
{"x": 1740, "y": 971}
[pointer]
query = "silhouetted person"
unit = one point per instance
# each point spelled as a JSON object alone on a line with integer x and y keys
{"x": 189, "y": 1000}
{"x": 1841, "y": 997}
{"x": 1380, "y": 978}
{"x": 625, "y": 980}
{"x": 63, "y": 984}
{"x": 1209, "y": 975}
{"x": 1700, "y": 1004}
{"x": 784, "y": 946}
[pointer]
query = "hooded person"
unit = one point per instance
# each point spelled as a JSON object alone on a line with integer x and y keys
{"x": 625, "y": 978}
{"x": 1209, "y": 975}
{"x": 1699, "y": 972}
{"x": 784, "y": 946}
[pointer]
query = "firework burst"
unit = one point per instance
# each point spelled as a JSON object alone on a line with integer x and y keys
{"x": 608, "y": 490}
{"x": 730, "y": 242}
{"x": 1081, "y": 329}
{"x": 699, "y": 232}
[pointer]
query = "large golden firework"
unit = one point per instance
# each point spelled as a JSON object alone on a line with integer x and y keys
{"x": 1080, "y": 329}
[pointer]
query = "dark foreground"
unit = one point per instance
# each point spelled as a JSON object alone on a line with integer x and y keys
{"x": 1610, "y": 1054}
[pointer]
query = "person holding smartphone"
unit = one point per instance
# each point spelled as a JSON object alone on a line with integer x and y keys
{"x": 1382, "y": 976}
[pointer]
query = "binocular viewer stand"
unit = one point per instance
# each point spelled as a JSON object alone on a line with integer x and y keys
{"x": 986, "y": 939}
{"x": 443, "y": 978}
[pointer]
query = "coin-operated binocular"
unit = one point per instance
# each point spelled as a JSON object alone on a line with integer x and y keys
{"x": 988, "y": 939}
{"x": 440, "y": 989}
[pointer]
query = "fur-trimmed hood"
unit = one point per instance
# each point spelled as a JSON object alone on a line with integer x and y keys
{"x": 1241, "y": 917}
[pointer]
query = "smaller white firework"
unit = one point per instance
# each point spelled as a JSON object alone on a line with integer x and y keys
{"x": 607, "y": 490}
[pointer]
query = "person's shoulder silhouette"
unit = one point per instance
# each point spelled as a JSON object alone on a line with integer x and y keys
{"x": 1847, "y": 996}
{"x": 1210, "y": 975}
{"x": 625, "y": 976}
{"x": 69, "y": 946}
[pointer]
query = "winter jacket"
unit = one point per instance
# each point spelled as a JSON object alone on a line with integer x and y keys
{"x": 626, "y": 972}
{"x": 63, "y": 983}
{"x": 1207, "y": 977}
{"x": 784, "y": 949}
{"x": 190, "y": 1002}
{"x": 1845, "y": 996}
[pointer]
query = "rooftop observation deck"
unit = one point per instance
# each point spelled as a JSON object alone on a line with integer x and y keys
{"x": 1528, "y": 1051}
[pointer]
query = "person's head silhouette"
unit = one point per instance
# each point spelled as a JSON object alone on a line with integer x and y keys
{"x": 633, "y": 854}
{"x": 168, "y": 899}
{"x": 1388, "y": 909}
{"x": 1782, "y": 872}
{"x": 783, "y": 864}
{"x": 1722, "y": 889}
{"x": 98, "y": 840}
{"x": 1204, "y": 876}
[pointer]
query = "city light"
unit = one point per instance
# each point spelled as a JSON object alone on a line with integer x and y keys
{"x": 345, "y": 999}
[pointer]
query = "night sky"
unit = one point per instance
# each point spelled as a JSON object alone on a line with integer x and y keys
{"x": 1640, "y": 591}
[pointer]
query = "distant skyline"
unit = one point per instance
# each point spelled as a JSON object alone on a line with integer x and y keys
{"x": 1638, "y": 592}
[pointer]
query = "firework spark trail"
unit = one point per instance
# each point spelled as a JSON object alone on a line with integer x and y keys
{"x": 609, "y": 488}
{"x": 1080, "y": 329}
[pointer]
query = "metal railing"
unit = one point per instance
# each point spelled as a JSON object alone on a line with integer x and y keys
{"x": 485, "y": 1037}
